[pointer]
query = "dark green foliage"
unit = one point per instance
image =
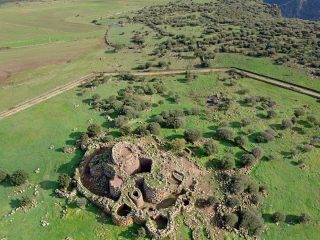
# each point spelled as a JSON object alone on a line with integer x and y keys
{"x": 278, "y": 217}
{"x": 64, "y": 181}
{"x": 154, "y": 128}
{"x": 299, "y": 112}
{"x": 210, "y": 148}
{"x": 142, "y": 130}
{"x": 256, "y": 198}
{"x": 25, "y": 201}
{"x": 192, "y": 135}
{"x": 230, "y": 219}
{"x": 238, "y": 184}
{"x": 245, "y": 122}
{"x": 19, "y": 177}
{"x": 3, "y": 175}
{"x": 248, "y": 160}
{"x": 240, "y": 141}
{"x": 304, "y": 218}
{"x": 171, "y": 119}
{"x": 227, "y": 163}
{"x": 94, "y": 130}
{"x": 271, "y": 114}
{"x": 178, "y": 145}
{"x": 125, "y": 130}
{"x": 224, "y": 133}
{"x": 81, "y": 202}
{"x": 307, "y": 148}
{"x": 258, "y": 152}
{"x": 252, "y": 220}
{"x": 286, "y": 123}
{"x": 266, "y": 136}
{"x": 212, "y": 200}
{"x": 252, "y": 187}
{"x": 233, "y": 201}
{"x": 141, "y": 232}
{"x": 120, "y": 121}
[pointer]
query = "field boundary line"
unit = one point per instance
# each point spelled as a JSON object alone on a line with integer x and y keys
{"x": 256, "y": 76}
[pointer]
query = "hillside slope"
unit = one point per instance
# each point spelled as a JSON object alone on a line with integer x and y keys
{"x": 305, "y": 9}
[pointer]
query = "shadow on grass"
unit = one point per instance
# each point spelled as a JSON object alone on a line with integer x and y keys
{"x": 49, "y": 185}
{"x": 71, "y": 165}
{"x": 14, "y": 203}
{"x": 267, "y": 217}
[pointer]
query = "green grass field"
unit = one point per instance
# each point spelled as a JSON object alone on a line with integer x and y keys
{"x": 26, "y": 136}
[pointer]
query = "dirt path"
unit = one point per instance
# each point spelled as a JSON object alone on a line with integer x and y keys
{"x": 277, "y": 82}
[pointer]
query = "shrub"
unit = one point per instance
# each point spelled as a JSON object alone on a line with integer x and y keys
{"x": 311, "y": 119}
{"x": 258, "y": 152}
{"x": 252, "y": 187}
{"x": 142, "y": 130}
{"x": 238, "y": 184}
{"x": 307, "y": 148}
{"x": 125, "y": 130}
{"x": 141, "y": 232}
{"x": 233, "y": 201}
{"x": 81, "y": 202}
{"x": 256, "y": 198}
{"x": 178, "y": 145}
{"x": 227, "y": 163}
{"x": 192, "y": 135}
{"x": 210, "y": 148}
{"x": 224, "y": 133}
{"x": 265, "y": 137}
{"x": 3, "y": 175}
{"x": 271, "y": 114}
{"x": 278, "y": 217}
{"x": 212, "y": 200}
{"x": 154, "y": 128}
{"x": 252, "y": 220}
{"x": 248, "y": 159}
{"x": 93, "y": 130}
{"x": 304, "y": 218}
{"x": 25, "y": 201}
{"x": 299, "y": 112}
{"x": 245, "y": 122}
{"x": 230, "y": 219}
{"x": 240, "y": 141}
{"x": 19, "y": 177}
{"x": 64, "y": 181}
{"x": 120, "y": 121}
{"x": 286, "y": 123}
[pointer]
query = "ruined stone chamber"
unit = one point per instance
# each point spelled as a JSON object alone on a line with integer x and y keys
{"x": 138, "y": 183}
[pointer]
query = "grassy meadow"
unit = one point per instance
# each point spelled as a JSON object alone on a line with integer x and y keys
{"x": 26, "y": 137}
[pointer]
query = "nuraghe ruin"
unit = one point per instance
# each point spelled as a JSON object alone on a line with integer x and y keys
{"x": 135, "y": 185}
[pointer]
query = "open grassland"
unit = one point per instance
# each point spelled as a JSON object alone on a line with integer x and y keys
{"x": 53, "y": 42}
{"x": 26, "y": 137}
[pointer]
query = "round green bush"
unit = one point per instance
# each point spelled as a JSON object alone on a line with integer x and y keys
{"x": 19, "y": 177}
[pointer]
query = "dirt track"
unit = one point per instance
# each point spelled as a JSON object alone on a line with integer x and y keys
{"x": 27, "y": 104}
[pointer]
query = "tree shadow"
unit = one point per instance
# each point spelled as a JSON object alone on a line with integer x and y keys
{"x": 213, "y": 163}
{"x": 267, "y": 217}
{"x": 174, "y": 136}
{"x": 261, "y": 115}
{"x": 299, "y": 130}
{"x": 276, "y": 126}
{"x": 286, "y": 154}
{"x": 14, "y": 203}
{"x": 71, "y": 165}
{"x": 198, "y": 151}
{"x": 292, "y": 219}
{"x": 305, "y": 123}
{"x": 49, "y": 185}
{"x": 235, "y": 124}
{"x": 182, "y": 80}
